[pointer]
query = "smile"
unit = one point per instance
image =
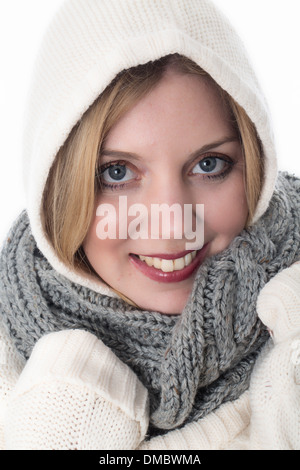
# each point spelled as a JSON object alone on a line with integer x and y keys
{"x": 167, "y": 267}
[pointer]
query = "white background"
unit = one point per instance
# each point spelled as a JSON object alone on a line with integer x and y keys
{"x": 269, "y": 28}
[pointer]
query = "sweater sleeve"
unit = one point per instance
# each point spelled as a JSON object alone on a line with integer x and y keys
{"x": 275, "y": 386}
{"x": 74, "y": 393}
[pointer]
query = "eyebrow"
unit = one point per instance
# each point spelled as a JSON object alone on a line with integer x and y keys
{"x": 203, "y": 149}
{"x": 214, "y": 145}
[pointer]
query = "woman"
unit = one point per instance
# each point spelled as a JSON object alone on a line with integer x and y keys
{"x": 138, "y": 342}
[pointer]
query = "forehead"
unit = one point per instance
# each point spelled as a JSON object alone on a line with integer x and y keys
{"x": 180, "y": 106}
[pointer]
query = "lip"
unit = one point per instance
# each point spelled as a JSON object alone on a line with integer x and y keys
{"x": 175, "y": 276}
{"x": 168, "y": 256}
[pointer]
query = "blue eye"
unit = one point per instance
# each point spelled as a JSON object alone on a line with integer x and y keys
{"x": 210, "y": 165}
{"x": 115, "y": 173}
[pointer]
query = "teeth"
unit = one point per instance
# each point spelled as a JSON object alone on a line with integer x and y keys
{"x": 169, "y": 265}
{"x": 149, "y": 260}
{"x": 188, "y": 259}
{"x": 179, "y": 264}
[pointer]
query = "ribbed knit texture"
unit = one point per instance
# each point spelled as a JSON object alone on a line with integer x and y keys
{"x": 86, "y": 384}
{"x": 89, "y": 42}
{"x": 191, "y": 364}
{"x": 70, "y": 367}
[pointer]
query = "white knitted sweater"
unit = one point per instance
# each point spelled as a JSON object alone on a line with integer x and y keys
{"x": 74, "y": 393}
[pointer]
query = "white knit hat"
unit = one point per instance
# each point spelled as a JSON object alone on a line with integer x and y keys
{"x": 89, "y": 42}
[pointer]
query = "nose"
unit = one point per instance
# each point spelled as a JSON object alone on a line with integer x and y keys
{"x": 169, "y": 189}
{"x": 171, "y": 207}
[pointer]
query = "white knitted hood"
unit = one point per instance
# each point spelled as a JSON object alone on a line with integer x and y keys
{"x": 89, "y": 42}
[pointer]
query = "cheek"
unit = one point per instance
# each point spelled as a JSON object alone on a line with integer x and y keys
{"x": 96, "y": 249}
{"x": 229, "y": 222}
{"x": 226, "y": 211}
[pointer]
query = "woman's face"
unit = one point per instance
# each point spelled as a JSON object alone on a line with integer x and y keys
{"x": 175, "y": 146}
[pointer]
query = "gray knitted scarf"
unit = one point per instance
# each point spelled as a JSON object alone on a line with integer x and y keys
{"x": 190, "y": 363}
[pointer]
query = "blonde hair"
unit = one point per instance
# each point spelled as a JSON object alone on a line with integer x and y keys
{"x": 72, "y": 186}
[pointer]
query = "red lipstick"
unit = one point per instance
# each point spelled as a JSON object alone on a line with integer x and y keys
{"x": 176, "y": 276}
